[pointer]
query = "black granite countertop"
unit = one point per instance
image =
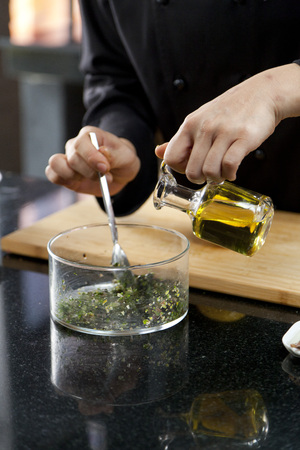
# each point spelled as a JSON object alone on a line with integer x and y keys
{"x": 221, "y": 379}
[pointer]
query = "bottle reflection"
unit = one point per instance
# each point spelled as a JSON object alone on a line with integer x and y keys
{"x": 237, "y": 415}
{"x": 220, "y": 315}
{"x": 219, "y": 420}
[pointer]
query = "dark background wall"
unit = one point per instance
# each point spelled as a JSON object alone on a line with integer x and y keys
{"x": 9, "y": 112}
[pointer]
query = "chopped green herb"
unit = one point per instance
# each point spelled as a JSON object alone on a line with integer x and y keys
{"x": 145, "y": 302}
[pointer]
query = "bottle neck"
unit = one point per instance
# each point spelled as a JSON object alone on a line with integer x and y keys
{"x": 169, "y": 193}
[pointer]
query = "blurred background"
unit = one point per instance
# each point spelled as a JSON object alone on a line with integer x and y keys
{"x": 40, "y": 83}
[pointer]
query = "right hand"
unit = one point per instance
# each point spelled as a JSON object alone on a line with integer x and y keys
{"x": 79, "y": 167}
{"x": 213, "y": 140}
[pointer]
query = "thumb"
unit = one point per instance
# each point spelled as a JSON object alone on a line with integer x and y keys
{"x": 160, "y": 150}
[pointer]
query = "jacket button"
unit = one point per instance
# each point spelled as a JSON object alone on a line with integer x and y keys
{"x": 162, "y": 2}
{"x": 260, "y": 154}
{"x": 179, "y": 84}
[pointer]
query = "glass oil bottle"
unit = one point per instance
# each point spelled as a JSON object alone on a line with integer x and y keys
{"x": 221, "y": 213}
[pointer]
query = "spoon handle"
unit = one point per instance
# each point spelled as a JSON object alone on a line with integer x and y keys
{"x": 106, "y": 197}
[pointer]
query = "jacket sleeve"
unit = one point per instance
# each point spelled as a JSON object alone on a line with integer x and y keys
{"x": 115, "y": 100}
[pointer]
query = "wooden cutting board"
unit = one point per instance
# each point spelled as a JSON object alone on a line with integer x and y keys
{"x": 273, "y": 274}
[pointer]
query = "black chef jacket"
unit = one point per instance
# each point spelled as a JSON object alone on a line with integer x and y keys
{"x": 149, "y": 63}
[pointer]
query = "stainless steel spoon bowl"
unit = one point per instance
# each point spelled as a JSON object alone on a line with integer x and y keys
{"x": 119, "y": 257}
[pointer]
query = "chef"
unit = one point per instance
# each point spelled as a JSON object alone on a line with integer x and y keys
{"x": 215, "y": 79}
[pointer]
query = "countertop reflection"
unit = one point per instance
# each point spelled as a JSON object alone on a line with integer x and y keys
{"x": 219, "y": 379}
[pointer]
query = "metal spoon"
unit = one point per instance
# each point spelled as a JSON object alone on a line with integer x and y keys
{"x": 119, "y": 257}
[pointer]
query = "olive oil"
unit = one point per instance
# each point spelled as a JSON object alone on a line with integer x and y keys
{"x": 221, "y": 213}
{"x": 226, "y": 223}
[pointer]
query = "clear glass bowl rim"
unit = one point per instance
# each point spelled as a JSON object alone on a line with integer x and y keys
{"x": 111, "y": 268}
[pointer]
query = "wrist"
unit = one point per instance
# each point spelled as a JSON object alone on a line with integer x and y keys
{"x": 284, "y": 83}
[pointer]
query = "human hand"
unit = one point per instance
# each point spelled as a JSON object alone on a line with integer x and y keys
{"x": 79, "y": 167}
{"x": 213, "y": 140}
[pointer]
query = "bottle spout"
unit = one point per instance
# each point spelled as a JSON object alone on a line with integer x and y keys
{"x": 158, "y": 195}
{"x": 168, "y": 193}
{"x": 163, "y": 188}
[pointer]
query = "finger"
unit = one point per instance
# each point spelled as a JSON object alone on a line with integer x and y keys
{"x": 85, "y": 159}
{"x": 197, "y": 156}
{"x": 124, "y": 163}
{"x": 84, "y": 135}
{"x": 55, "y": 178}
{"x": 212, "y": 164}
{"x": 233, "y": 158}
{"x": 178, "y": 152}
{"x": 51, "y": 175}
{"x": 160, "y": 150}
{"x": 58, "y": 170}
{"x": 80, "y": 166}
{"x": 188, "y": 148}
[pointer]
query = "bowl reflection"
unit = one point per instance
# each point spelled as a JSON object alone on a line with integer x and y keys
{"x": 104, "y": 371}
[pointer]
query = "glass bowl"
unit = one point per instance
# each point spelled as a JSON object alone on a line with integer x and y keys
{"x": 87, "y": 294}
